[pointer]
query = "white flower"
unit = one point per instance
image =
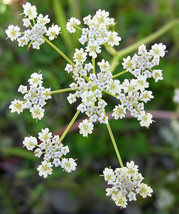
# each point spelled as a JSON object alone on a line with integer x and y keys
{"x": 120, "y": 200}
{"x": 132, "y": 196}
{"x": 71, "y": 98}
{"x": 65, "y": 150}
{"x": 45, "y": 169}
{"x": 68, "y": 165}
{"x": 158, "y": 50}
{"x": 45, "y": 135}
{"x": 69, "y": 68}
{"x": 23, "y": 41}
{"x": 37, "y": 112}
{"x": 70, "y": 26}
{"x": 30, "y": 11}
{"x": 104, "y": 65}
{"x": 145, "y": 119}
{"x": 79, "y": 55}
{"x": 109, "y": 175}
{"x": 144, "y": 190}
{"x": 86, "y": 128}
{"x": 36, "y": 45}
{"x": 13, "y": 32}
{"x": 93, "y": 48}
{"x": 176, "y": 96}
{"x": 165, "y": 199}
{"x": 125, "y": 184}
{"x": 146, "y": 96}
{"x": 57, "y": 162}
{"x": 35, "y": 79}
{"x": 119, "y": 112}
{"x": 16, "y": 106}
{"x": 128, "y": 64}
{"x": 157, "y": 75}
{"x": 142, "y": 83}
{"x": 113, "y": 38}
{"x": 38, "y": 152}
{"x": 114, "y": 87}
{"x": 132, "y": 168}
{"x": 22, "y": 89}
{"x": 53, "y": 32}
{"x": 42, "y": 20}
{"x": 30, "y": 142}
{"x": 142, "y": 49}
{"x": 26, "y": 22}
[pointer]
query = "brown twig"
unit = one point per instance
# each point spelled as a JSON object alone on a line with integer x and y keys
{"x": 156, "y": 115}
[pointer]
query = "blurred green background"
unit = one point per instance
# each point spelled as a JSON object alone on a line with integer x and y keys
{"x": 155, "y": 150}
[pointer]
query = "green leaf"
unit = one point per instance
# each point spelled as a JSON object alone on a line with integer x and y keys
{"x": 61, "y": 20}
{"x": 19, "y": 152}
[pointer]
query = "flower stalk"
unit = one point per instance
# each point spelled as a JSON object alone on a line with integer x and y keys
{"x": 69, "y": 125}
{"x": 119, "y": 74}
{"x": 59, "y": 51}
{"x": 61, "y": 91}
{"x": 146, "y": 40}
{"x": 114, "y": 144}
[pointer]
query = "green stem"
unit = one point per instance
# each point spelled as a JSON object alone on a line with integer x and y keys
{"x": 69, "y": 125}
{"x": 93, "y": 62}
{"x": 86, "y": 78}
{"x": 137, "y": 109}
{"x": 59, "y": 51}
{"x": 114, "y": 144}
{"x": 110, "y": 49}
{"x": 77, "y": 27}
{"x": 61, "y": 91}
{"x": 119, "y": 74}
{"x": 110, "y": 94}
{"x": 29, "y": 45}
{"x": 163, "y": 150}
{"x": 146, "y": 40}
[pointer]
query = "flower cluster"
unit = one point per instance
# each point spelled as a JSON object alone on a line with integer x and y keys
{"x": 89, "y": 87}
{"x": 96, "y": 33}
{"x": 132, "y": 97}
{"x": 176, "y": 95}
{"x": 34, "y": 98}
{"x": 36, "y": 25}
{"x": 91, "y": 80}
{"x": 126, "y": 183}
{"x": 141, "y": 65}
{"x": 53, "y": 152}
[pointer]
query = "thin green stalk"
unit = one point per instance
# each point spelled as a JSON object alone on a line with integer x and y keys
{"x": 110, "y": 93}
{"x": 163, "y": 150}
{"x": 86, "y": 78}
{"x": 77, "y": 27}
{"x": 69, "y": 125}
{"x": 114, "y": 144}
{"x": 146, "y": 40}
{"x": 119, "y": 74}
{"x": 93, "y": 62}
{"x": 137, "y": 109}
{"x": 29, "y": 45}
{"x": 110, "y": 49}
{"x": 59, "y": 51}
{"x": 61, "y": 91}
